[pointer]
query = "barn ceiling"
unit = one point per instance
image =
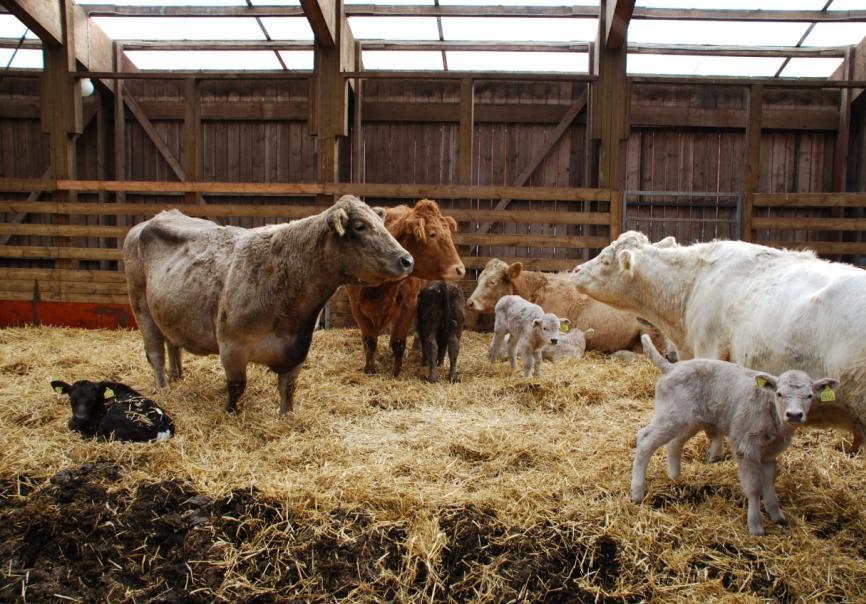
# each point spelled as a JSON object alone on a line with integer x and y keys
{"x": 391, "y": 41}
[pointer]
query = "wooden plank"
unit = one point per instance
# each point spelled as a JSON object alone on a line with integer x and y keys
{"x": 467, "y": 129}
{"x": 71, "y": 276}
{"x": 153, "y": 135}
{"x": 43, "y": 252}
{"x": 843, "y": 134}
{"x": 21, "y": 214}
{"x": 42, "y": 18}
{"x": 119, "y": 122}
{"x": 808, "y": 223}
{"x": 751, "y": 166}
{"x": 51, "y": 296}
{"x": 533, "y": 264}
{"x": 618, "y": 15}
{"x": 800, "y": 118}
{"x": 192, "y": 136}
{"x": 808, "y": 200}
{"x": 517, "y": 240}
{"x": 63, "y": 230}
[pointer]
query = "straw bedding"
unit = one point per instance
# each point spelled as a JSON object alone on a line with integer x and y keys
{"x": 377, "y": 490}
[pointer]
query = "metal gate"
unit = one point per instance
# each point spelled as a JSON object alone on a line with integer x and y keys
{"x": 690, "y": 216}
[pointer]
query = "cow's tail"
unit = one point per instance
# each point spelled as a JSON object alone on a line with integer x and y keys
{"x": 653, "y": 354}
{"x": 446, "y": 303}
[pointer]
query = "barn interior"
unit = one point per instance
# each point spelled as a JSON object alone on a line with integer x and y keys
{"x": 545, "y": 129}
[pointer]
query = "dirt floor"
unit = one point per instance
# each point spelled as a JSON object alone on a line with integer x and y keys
{"x": 378, "y": 490}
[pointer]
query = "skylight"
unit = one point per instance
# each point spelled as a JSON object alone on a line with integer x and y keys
{"x": 517, "y": 28}
{"x": 409, "y": 60}
{"x": 517, "y": 61}
{"x": 520, "y": 2}
{"x": 173, "y": 2}
{"x": 736, "y": 4}
{"x": 818, "y": 67}
{"x": 24, "y": 59}
{"x": 180, "y": 28}
{"x": 836, "y": 34}
{"x": 10, "y": 27}
{"x": 394, "y": 28}
{"x": 297, "y": 59}
{"x": 720, "y": 33}
{"x": 204, "y": 59}
{"x": 288, "y": 28}
{"x": 703, "y": 65}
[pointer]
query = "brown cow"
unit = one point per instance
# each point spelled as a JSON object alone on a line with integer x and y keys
{"x": 251, "y": 295}
{"x": 426, "y": 234}
{"x": 613, "y": 329}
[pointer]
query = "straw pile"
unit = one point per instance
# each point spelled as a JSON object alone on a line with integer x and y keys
{"x": 379, "y": 490}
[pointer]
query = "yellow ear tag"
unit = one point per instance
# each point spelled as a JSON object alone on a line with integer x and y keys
{"x": 58, "y": 389}
{"x": 827, "y": 395}
{"x": 565, "y": 328}
{"x": 761, "y": 382}
{"x": 109, "y": 393}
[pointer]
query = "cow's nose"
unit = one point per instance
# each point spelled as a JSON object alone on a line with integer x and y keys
{"x": 794, "y": 416}
{"x": 576, "y": 269}
{"x": 470, "y": 304}
{"x": 407, "y": 262}
{"x": 553, "y": 340}
{"x": 461, "y": 270}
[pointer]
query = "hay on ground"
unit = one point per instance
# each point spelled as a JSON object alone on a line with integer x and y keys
{"x": 494, "y": 489}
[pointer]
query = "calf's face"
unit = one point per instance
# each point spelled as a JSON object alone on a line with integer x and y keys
{"x": 547, "y": 328}
{"x": 495, "y": 281}
{"x": 87, "y": 401}
{"x": 361, "y": 245}
{"x": 795, "y": 393}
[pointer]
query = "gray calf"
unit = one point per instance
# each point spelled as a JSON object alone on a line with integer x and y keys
{"x": 529, "y": 329}
{"x": 758, "y": 412}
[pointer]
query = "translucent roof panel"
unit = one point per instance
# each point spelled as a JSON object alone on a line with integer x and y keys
{"x": 836, "y": 34}
{"x": 519, "y": 2}
{"x": 204, "y": 59}
{"x": 724, "y": 33}
{"x": 703, "y": 65}
{"x": 517, "y": 61}
{"x": 410, "y": 60}
{"x": 24, "y": 58}
{"x": 522, "y": 29}
{"x": 818, "y": 67}
{"x": 276, "y": 2}
{"x": 389, "y": 2}
{"x": 737, "y": 4}
{"x": 180, "y": 28}
{"x": 298, "y": 59}
{"x": 394, "y": 28}
{"x": 169, "y": 2}
{"x": 847, "y": 5}
{"x": 288, "y": 28}
{"x": 10, "y": 27}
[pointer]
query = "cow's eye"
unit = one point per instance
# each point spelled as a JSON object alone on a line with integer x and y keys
{"x": 360, "y": 226}
{"x": 494, "y": 282}
{"x": 432, "y": 234}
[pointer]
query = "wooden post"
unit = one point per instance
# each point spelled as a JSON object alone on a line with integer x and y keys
{"x": 752, "y": 165}
{"x": 843, "y": 134}
{"x": 192, "y": 136}
{"x": 358, "y": 127}
{"x": 467, "y": 127}
{"x": 119, "y": 126}
{"x": 61, "y": 112}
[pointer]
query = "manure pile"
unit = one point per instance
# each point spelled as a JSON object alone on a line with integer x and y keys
{"x": 378, "y": 490}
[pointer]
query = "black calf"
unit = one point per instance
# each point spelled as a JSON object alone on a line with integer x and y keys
{"x": 441, "y": 315}
{"x": 114, "y": 411}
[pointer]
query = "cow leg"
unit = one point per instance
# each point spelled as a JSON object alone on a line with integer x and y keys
{"x": 751, "y": 478}
{"x": 442, "y": 343}
{"x": 235, "y": 365}
{"x": 496, "y": 345}
{"x": 154, "y": 345}
{"x": 771, "y": 502}
{"x": 453, "y": 351}
{"x": 175, "y": 362}
{"x": 398, "y": 347}
{"x": 716, "y": 450}
{"x": 430, "y": 354}
{"x": 675, "y": 454}
{"x": 649, "y": 439}
{"x": 370, "y": 354}
{"x": 286, "y": 382}
{"x": 536, "y": 359}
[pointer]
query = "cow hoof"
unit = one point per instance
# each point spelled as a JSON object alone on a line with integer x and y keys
{"x": 230, "y": 409}
{"x": 454, "y": 379}
{"x": 369, "y": 370}
{"x": 432, "y": 379}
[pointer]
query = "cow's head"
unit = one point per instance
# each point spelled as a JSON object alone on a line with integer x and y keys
{"x": 426, "y": 233}
{"x": 360, "y": 245}
{"x": 610, "y": 276}
{"x": 547, "y": 328}
{"x": 795, "y": 393}
{"x": 88, "y": 403}
{"x": 495, "y": 281}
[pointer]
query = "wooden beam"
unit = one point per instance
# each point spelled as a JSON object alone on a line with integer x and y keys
{"x": 467, "y": 130}
{"x": 752, "y": 164}
{"x": 153, "y": 135}
{"x": 843, "y": 133}
{"x": 119, "y": 122}
{"x": 659, "y": 116}
{"x": 322, "y": 15}
{"x": 192, "y": 136}
{"x": 801, "y": 16}
{"x": 610, "y": 105}
{"x": 616, "y": 22}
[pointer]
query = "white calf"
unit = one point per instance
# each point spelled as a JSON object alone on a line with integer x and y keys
{"x": 758, "y": 412}
{"x": 529, "y": 329}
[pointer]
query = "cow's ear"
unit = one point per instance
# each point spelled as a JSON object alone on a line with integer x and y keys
{"x": 514, "y": 270}
{"x": 380, "y": 212}
{"x": 536, "y": 323}
{"x": 587, "y": 335}
{"x": 826, "y": 388}
{"x": 60, "y": 387}
{"x": 666, "y": 242}
{"x": 626, "y": 261}
{"x": 452, "y": 224}
{"x": 338, "y": 220}
{"x": 767, "y": 381}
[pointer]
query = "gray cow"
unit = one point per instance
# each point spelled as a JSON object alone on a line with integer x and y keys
{"x": 758, "y": 412}
{"x": 250, "y": 295}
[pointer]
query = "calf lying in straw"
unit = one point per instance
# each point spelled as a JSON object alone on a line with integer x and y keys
{"x": 529, "y": 328}
{"x": 758, "y": 412}
{"x": 114, "y": 411}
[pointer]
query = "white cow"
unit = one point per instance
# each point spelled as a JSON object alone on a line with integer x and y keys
{"x": 760, "y": 307}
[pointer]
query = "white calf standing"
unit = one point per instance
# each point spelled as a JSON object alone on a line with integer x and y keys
{"x": 529, "y": 329}
{"x": 758, "y": 413}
